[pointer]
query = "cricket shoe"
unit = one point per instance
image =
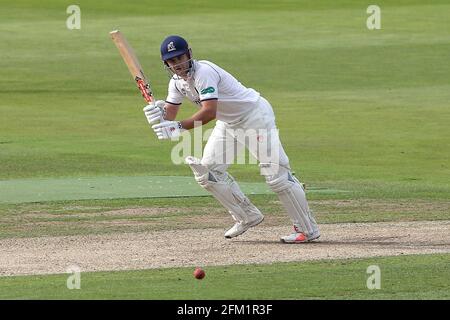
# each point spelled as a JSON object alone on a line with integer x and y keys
{"x": 300, "y": 237}
{"x": 240, "y": 227}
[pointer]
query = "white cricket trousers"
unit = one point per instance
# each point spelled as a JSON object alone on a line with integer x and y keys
{"x": 256, "y": 131}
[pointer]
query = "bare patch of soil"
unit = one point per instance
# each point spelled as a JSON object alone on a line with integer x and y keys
{"x": 206, "y": 247}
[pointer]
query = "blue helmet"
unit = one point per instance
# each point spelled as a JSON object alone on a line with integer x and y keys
{"x": 173, "y": 46}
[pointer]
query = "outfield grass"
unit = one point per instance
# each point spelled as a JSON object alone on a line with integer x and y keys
{"x": 405, "y": 277}
{"x": 361, "y": 110}
{"x": 154, "y": 214}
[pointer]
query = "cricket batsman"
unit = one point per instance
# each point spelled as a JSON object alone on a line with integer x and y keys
{"x": 237, "y": 109}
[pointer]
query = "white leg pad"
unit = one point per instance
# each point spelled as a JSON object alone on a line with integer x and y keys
{"x": 225, "y": 189}
{"x": 292, "y": 195}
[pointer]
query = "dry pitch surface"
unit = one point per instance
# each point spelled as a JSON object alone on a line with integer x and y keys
{"x": 203, "y": 247}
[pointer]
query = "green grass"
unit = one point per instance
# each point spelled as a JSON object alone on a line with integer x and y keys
{"x": 365, "y": 109}
{"x": 404, "y": 277}
{"x": 111, "y": 216}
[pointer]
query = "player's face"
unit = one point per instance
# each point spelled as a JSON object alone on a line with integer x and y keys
{"x": 179, "y": 65}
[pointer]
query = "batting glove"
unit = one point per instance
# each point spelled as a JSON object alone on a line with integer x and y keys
{"x": 168, "y": 129}
{"x": 155, "y": 112}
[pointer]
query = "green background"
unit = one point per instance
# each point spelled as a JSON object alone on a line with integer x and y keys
{"x": 357, "y": 109}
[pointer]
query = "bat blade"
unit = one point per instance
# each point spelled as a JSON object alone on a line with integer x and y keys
{"x": 132, "y": 62}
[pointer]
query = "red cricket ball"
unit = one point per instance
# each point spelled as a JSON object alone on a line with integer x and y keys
{"x": 199, "y": 273}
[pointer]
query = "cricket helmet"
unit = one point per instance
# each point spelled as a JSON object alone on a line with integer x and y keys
{"x": 173, "y": 46}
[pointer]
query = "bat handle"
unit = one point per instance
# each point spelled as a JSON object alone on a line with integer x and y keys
{"x": 145, "y": 90}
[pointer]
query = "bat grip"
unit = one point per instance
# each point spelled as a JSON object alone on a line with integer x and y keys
{"x": 145, "y": 90}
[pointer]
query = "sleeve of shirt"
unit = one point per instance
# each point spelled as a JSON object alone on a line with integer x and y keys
{"x": 174, "y": 96}
{"x": 207, "y": 84}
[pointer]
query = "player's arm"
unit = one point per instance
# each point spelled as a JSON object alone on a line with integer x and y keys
{"x": 170, "y": 111}
{"x": 206, "y": 113}
{"x": 165, "y": 110}
{"x": 207, "y": 86}
{"x": 172, "y": 129}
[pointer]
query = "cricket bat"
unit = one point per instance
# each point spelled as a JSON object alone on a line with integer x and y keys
{"x": 132, "y": 62}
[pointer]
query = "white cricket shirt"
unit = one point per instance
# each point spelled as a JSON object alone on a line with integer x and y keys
{"x": 209, "y": 81}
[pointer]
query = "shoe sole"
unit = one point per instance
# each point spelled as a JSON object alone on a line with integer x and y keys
{"x": 251, "y": 226}
{"x": 306, "y": 241}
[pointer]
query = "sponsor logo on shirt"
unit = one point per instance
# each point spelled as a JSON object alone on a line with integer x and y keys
{"x": 207, "y": 90}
